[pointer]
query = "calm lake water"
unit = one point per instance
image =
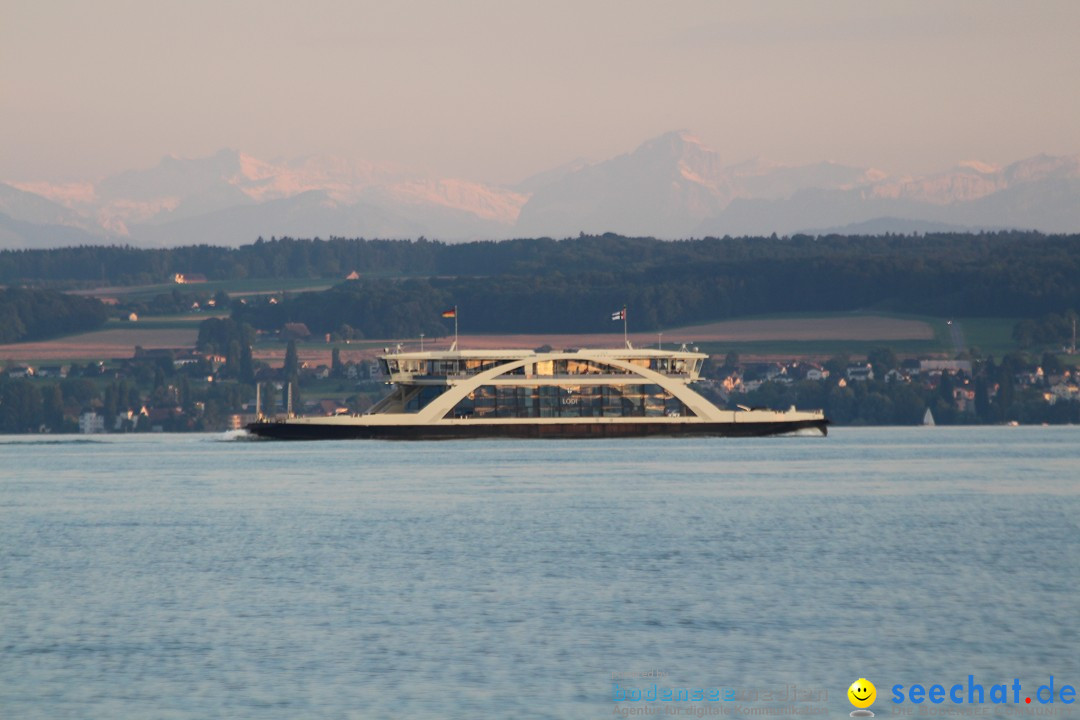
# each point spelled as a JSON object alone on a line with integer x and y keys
{"x": 192, "y": 576}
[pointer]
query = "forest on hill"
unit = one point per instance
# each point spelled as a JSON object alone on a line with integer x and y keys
{"x": 34, "y": 314}
{"x": 337, "y": 257}
{"x": 574, "y": 284}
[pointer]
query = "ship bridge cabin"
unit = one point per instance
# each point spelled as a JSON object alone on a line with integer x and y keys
{"x": 528, "y": 384}
{"x": 447, "y": 367}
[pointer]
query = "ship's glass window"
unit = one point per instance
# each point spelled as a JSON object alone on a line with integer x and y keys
{"x": 422, "y": 399}
{"x": 530, "y": 401}
{"x": 443, "y": 367}
{"x": 413, "y": 366}
{"x": 577, "y": 367}
{"x": 475, "y": 366}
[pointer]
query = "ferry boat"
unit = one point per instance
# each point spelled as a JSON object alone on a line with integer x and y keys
{"x": 576, "y": 393}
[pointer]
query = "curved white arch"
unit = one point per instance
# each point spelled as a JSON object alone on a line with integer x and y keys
{"x": 438, "y": 408}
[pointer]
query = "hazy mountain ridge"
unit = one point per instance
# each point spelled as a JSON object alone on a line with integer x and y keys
{"x": 671, "y": 186}
{"x": 312, "y": 213}
{"x": 665, "y": 188}
{"x": 33, "y": 208}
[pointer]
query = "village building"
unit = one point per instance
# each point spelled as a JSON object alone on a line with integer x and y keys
{"x": 860, "y": 373}
{"x": 950, "y": 366}
{"x": 91, "y": 423}
{"x": 1031, "y": 377}
{"x": 188, "y": 278}
{"x": 732, "y": 383}
{"x": 1061, "y": 391}
{"x": 896, "y": 375}
{"x": 964, "y": 399}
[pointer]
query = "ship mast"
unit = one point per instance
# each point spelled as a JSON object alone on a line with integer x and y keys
{"x": 625, "y": 339}
{"x": 452, "y": 313}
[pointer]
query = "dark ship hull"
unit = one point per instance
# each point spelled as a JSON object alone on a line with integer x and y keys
{"x": 284, "y": 430}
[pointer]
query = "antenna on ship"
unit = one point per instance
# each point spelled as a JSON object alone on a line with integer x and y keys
{"x": 452, "y": 313}
{"x": 621, "y": 315}
{"x": 625, "y": 339}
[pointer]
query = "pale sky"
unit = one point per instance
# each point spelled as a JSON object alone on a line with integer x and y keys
{"x": 498, "y": 90}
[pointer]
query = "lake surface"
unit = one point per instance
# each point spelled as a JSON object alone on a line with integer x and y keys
{"x": 198, "y": 576}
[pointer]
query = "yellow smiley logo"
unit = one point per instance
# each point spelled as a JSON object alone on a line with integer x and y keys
{"x": 862, "y": 693}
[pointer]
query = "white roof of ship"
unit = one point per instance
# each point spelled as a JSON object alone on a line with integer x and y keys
{"x": 521, "y": 353}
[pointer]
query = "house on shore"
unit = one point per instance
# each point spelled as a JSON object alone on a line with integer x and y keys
{"x": 188, "y": 278}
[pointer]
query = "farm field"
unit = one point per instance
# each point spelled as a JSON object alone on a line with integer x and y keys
{"x": 235, "y": 288}
{"x": 760, "y": 338}
{"x": 113, "y": 341}
{"x": 772, "y": 337}
{"x": 778, "y": 333}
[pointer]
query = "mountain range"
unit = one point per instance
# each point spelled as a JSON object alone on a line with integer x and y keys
{"x": 672, "y": 186}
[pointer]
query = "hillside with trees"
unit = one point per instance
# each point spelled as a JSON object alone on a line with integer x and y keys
{"x": 337, "y": 257}
{"x": 34, "y": 314}
{"x": 572, "y": 285}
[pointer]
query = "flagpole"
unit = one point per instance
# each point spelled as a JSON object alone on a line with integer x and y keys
{"x": 626, "y": 341}
{"x": 455, "y": 329}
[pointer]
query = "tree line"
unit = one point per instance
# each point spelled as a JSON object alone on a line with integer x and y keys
{"x": 664, "y": 287}
{"x": 1050, "y": 329}
{"x": 574, "y": 284}
{"x": 27, "y": 314}
{"x": 317, "y": 258}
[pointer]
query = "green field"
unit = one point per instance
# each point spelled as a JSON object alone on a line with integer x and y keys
{"x": 989, "y": 335}
{"x": 984, "y": 335}
{"x": 822, "y": 348}
{"x": 261, "y": 286}
{"x": 162, "y": 322}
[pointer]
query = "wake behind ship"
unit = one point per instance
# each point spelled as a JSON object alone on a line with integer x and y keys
{"x": 597, "y": 393}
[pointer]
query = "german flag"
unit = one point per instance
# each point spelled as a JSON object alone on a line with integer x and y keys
{"x": 451, "y": 313}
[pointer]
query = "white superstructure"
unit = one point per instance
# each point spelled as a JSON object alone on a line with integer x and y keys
{"x": 526, "y": 393}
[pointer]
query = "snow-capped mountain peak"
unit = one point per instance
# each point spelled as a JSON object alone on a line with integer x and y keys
{"x": 673, "y": 185}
